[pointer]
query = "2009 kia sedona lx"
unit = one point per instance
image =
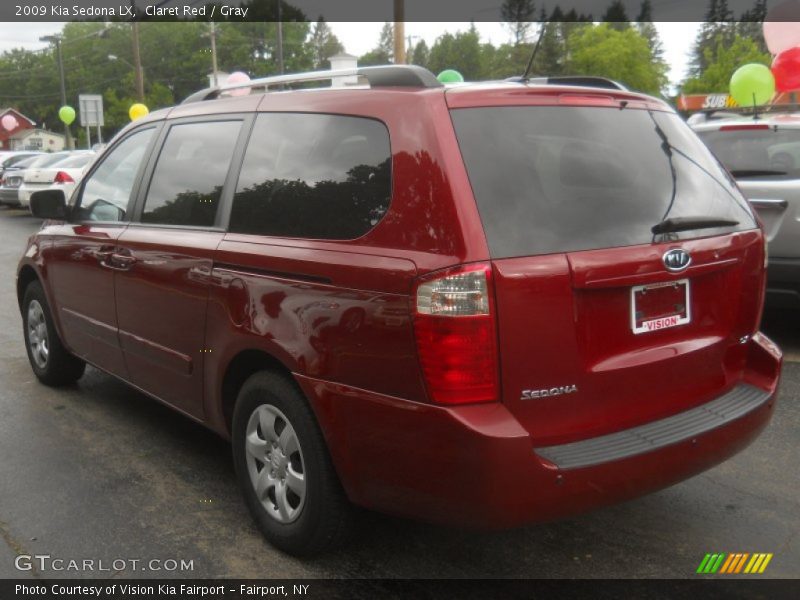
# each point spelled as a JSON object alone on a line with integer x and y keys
{"x": 483, "y": 305}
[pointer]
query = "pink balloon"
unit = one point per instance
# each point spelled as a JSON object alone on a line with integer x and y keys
{"x": 9, "y": 122}
{"x": 782, "y": 27}
{"x": 235, "y": 78}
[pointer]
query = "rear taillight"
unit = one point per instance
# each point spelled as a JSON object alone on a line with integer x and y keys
{"x": 62, "y": 177}
{"x": 454, "y": 323}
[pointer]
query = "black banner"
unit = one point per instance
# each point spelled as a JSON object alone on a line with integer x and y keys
{"x": 365, "y": 10}
{"x": 374, "y": 589}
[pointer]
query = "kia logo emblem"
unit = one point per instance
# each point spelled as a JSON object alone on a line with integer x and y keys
{"x": 676, "y": 260}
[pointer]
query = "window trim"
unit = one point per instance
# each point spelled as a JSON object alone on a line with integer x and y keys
{"x": 137, "y": 181}
{"x": 228, "y": 187}
{"x": 229, "y": 207}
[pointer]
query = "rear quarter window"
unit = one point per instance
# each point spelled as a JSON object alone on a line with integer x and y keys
{"x": 313, "y": 176}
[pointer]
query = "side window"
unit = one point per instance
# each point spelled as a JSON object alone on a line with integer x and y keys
{"x": 107, "y": 191}
{"x": 313, "y": 176}
{"x": 190, "y": 173}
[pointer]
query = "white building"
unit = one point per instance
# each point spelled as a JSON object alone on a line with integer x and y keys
{"x": 343, "y": 60}
{"x": 37, "y": 139}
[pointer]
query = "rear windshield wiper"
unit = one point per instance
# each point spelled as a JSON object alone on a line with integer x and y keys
{"x": 688, "y": 223}
{"x": 755, "y": 172}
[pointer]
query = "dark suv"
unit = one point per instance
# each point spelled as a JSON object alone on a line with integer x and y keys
{"x": 482, "y": 305}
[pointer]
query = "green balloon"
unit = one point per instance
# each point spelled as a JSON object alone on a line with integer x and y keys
{"x": 752, "y": 85}
{"x": 450, "y": 76}
{"x": 66, "y": 114}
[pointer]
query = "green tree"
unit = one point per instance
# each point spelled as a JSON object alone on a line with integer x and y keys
{"x": 616, "y": 16}
{"x": 462, "y": 52}
{"x": 717, "y": 23}
{"x": 620, "y": 55}
{"x": 644, "y": 23}
{"x": 750, "y": 24}
{"x": 722, "y": 61}
{"x": 324, "y": 44}
{"x": 420, "y": 54}
{"x": 518, "y": 17}
{"x": 383, "y": 53}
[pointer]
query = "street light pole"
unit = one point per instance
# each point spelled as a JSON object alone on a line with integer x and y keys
{"x": 55, "y": 39}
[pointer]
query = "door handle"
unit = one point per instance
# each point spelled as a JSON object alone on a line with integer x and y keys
{"x": 121, "y": 262}
{"x": 102, "y": 255}
{"x": 769, "y": 203}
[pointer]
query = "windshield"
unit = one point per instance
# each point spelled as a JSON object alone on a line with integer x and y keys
{"x": 559, "y": 179}
{"x": 750, "y": 152}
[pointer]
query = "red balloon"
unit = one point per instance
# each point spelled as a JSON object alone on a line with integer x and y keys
{"x": 786, "y": 69}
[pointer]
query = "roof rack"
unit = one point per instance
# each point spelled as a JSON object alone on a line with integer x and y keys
{"x": 383, "y": 76}
{"x": 577, "y": 80}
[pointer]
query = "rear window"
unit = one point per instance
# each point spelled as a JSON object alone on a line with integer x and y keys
{"x": 769, "y": 152}
{"x": 559, "y": 179}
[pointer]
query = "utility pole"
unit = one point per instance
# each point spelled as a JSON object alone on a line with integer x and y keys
{"x": 56, "y": 39}
{"x": 213, "y": 35}
{"x": 280, "y": 37}
{"x": 399, "y": 33}
{"x": 137, "y": 61}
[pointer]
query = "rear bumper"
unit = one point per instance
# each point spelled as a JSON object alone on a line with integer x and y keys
{"x": 476, "y": 466}
{"x": 9, "y": 196}
{"x": 783, "y": 283}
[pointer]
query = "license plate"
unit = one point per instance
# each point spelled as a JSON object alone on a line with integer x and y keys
{"x": 660, "y": 306}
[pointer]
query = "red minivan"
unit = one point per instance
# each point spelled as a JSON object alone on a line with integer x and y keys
{"x": 483, "y": 305}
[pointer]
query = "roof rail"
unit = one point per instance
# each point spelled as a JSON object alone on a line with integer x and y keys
{"x": 578, "y": 80}
{"x": 382, "y": 76}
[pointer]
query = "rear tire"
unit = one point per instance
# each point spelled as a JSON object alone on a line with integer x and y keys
{"x": 52, "y": 364}
{"x": 284, "y": 469}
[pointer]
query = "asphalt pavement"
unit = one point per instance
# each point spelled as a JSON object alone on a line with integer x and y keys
{"x": 98, "y": 472}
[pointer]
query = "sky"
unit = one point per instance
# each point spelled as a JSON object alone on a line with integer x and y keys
{"x": 359, "y": 38}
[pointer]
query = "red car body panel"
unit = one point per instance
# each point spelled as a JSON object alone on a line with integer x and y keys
{"x": 338, "y": 316}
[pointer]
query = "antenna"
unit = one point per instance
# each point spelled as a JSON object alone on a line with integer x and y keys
{"x": 525, "y": 76}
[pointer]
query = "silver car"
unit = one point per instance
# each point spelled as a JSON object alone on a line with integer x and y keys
{"x": 763, "y": 154}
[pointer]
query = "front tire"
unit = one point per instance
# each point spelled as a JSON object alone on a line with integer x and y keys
{"x": 52, "y": 364}
{"x": 284, "y": 469}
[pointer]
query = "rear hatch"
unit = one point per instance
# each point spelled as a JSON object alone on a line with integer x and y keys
{"x": 596, "y": 334}
{"x": 765, "y": 159}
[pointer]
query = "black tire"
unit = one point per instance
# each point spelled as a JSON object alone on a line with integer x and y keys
{"x": 324, "y": 515}
{"x": 58, "y": 367}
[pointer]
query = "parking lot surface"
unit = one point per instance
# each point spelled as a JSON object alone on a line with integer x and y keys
{"x": 100, "y": 472}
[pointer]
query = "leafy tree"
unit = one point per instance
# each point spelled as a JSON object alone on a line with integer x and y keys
{"x": 722, "y": 61}
{"x": 644, "y": 23}
{"x": 383, "y": 53}
{"x": 620, "y": 55}
{"x": 420, "y": 54}
{"x": 324, "y": 44}
{"x": 717, "y": 23}
{"x": 518, "y": 17}
{"x": 616, "y": 16}
{"x": 750, "y": 24}
{"x": 462, "y": 52}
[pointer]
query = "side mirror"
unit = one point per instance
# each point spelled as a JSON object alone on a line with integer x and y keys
{"x": 49, "y": 204}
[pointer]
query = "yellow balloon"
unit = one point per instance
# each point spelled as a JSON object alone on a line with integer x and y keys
{"x": 137, "y": 111}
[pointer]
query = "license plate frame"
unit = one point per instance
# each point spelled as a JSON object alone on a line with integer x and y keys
{"x": 641, "y": 323}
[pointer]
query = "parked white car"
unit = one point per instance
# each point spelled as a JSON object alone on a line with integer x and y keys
{"x": 63, "y": 175}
